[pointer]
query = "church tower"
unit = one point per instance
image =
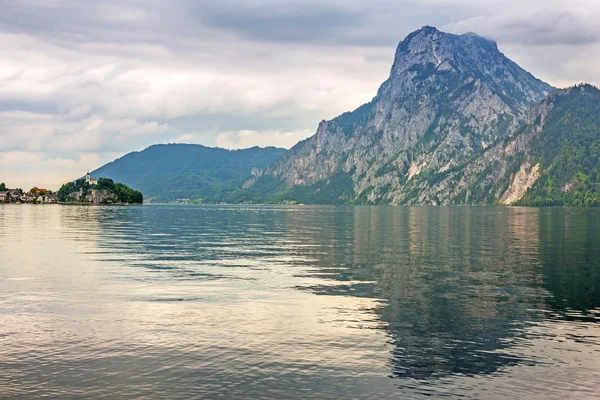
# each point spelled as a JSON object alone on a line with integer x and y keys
{"x": 88, "y": 177}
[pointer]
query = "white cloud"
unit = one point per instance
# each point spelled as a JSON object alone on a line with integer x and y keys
{"x": 23, "y": 115}
{"x": 29, "y": 169}
{"x": 249, "y": 138}
{"x": 80, "y": 81}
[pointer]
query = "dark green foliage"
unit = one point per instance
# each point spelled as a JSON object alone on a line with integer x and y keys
{"x": 568, "y": 150}
{"x": 182, "y": 171}
{"x": 411, "y": 194}
{"x": 124, "y": 194}
{"x": 480, "y": 191}
{"x": 119, "y": 192}
{"x": 70, "y": 187}
{"x": 263, "y": 191}
{"x": 3, "y": 187}
{"x": 388, "y": 168}
{"x": 338, "y": 189}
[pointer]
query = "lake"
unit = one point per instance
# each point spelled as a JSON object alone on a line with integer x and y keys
{"x": 179, "y": 302}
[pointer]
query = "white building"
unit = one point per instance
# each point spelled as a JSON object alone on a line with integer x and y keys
{"x": 90, "y": 180}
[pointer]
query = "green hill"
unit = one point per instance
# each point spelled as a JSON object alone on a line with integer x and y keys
{"x": 568, "y": 151}
{"x": 168, "y": 172}
{"x": 105, "y": 191}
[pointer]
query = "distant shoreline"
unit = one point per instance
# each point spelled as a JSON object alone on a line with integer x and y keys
{"x": 73, "y": 204}
{"x": 99, "y": 204}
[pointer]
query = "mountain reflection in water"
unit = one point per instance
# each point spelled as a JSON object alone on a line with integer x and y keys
{"x": 294, "y": 302}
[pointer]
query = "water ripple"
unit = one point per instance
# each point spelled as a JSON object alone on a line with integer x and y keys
{"x": 298, "y": 302}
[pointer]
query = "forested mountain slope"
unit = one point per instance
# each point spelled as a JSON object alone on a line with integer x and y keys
{"x": 568, "y": 151}
{"x": 185, "y": 171}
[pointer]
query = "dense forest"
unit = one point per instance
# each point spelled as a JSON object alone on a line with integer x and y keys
{"x": 568, "y": 150}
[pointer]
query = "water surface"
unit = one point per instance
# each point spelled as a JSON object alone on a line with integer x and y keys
{"x": 182, "y": 302}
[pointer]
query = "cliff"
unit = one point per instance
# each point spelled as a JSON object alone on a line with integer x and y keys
{"x": 453, "y": 124}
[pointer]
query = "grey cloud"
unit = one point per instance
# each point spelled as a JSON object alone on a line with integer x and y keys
{"x": 536, "y": 29}
{"x": 73, "y": 20}
{"x": 565, "y": 28}
{"x": 283, "y": 24}
{"x": 227, "y": 122}
{"x": 210, "y": 69}
{"x": 334, "y": 22}
{"x": 38, "y": 107}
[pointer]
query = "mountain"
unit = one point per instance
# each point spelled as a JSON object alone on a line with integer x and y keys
{"x": 565, "y": 154}
{"x": 174, "y": 171}
{"x": 448, "y": 100}
{"x": 552, "y": 159}
{"x": 456, "y": 122}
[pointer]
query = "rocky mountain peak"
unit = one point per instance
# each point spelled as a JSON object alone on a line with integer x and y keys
{"x": 419, "y": 46}
{"x": 448, "y": 99}
{"x": 436, "y": 59}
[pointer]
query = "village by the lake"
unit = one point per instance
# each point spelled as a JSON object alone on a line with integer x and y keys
{"x": 35, "y": 196}
{"x": 83, "y": 191}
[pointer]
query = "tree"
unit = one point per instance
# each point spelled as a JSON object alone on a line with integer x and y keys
{"x": 119, "y": 192}
{"x": 3, "y": 187}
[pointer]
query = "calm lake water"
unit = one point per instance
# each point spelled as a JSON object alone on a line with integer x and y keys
{"x": 182, "y": 302}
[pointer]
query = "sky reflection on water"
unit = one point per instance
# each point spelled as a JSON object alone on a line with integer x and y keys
{"x": 292, "y": 302}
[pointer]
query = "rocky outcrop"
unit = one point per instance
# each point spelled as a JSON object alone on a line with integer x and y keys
{"x": 93, "y": 196}
{"x": 524, "y": 179}
{"x": 450, "y": 101}
{"x": 486, "y": 178}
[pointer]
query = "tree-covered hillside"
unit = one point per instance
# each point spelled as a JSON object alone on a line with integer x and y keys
{"x": 107, "y": 191}
{"x": 568, "y": 151}
{"x": 184, "y": 171}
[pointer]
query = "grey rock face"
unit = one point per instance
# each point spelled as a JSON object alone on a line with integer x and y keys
{"x": 449, "y": 99}
{"x": 93, "y": 196}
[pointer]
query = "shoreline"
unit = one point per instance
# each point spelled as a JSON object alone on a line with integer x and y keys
{"x": 98, "y": 205}
{"x": 72, "y": 204}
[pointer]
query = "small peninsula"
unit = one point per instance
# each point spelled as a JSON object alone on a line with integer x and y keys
{"x": 90, "y": 191}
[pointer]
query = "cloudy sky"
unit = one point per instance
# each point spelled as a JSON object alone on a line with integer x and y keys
{"x": 84, "y": 82}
